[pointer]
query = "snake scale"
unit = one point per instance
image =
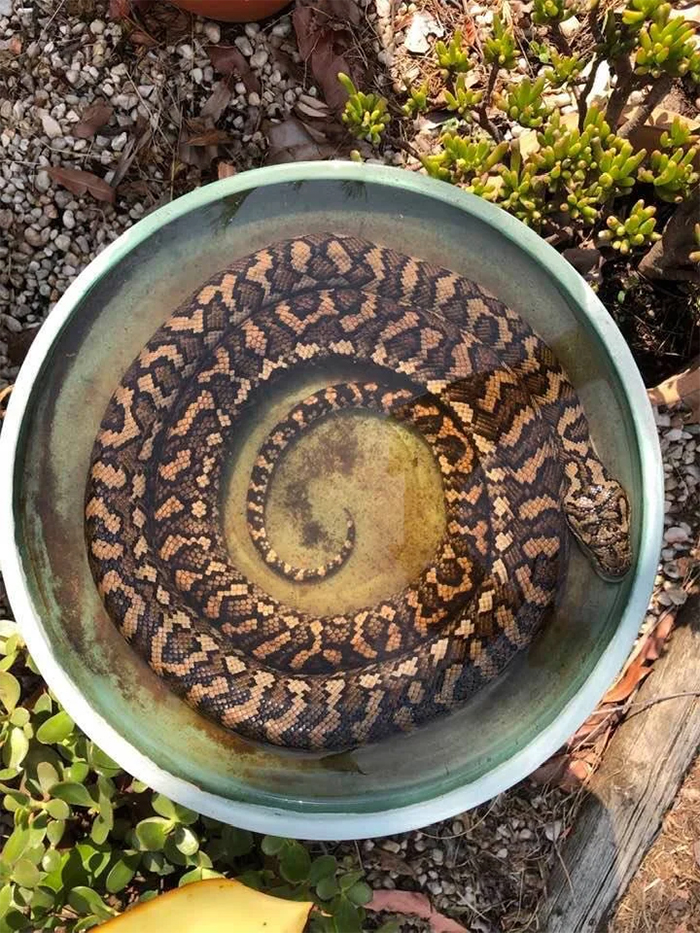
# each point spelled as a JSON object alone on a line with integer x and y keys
{"x": 485, "y": 393}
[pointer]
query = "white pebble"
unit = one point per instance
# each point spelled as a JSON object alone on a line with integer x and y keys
{"x": 252, "y": 29}
{"x": 97, "y": 27}
{"x": 243, "y": 44}
{"x": 259, "y": 59}
{"x": 68, "y": 220}
{"x": 675, "y": 535}
{"x": 213, "y": 32}
{"x": 42, "y": 181}
{"x": 51, "y": 126}
{"x": 254, "y": 99}
{"x": 119, "y": 142}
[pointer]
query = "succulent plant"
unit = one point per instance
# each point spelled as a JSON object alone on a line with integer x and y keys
{"x": 666, "y": 45}
{"x": 452, "y": 57}
{"x": 523, "y": 102}
{"x": 616, "y": 166}
{"x": 462, "y": 161}
{"x": 671, "y": 175}
{"x": 638, "y": 12}
{"x": 565, "y": 69}
{"x": 552, "y": 11}
{"x": 464, "y": 99}
{"x": 581, "y": 204}
{"x": 500, "y": 48}
{"x": 521, "y": 192}
{"x": 679, "y": 134}
{"x": 635, "y": 232}
{"x": 417, "y": 101}
{"x": 365, "y": 115}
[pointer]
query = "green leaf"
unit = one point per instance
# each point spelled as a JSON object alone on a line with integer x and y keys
{"x": 10, "y": 691}
{"x": 121, "y": 873}
{"x": 42, "y": 900}
{"x": 99, "y": 831}
{"x": 347, "y": 917}
{"x": 75, "y": 794}
{"x": 56, "y": 729}
{"x": 186, "y": 840}
{"x": 47, "y": 776}
{"x": 51, "y": 860}
{"x": 323, "y": 867}
{"x": 15, "y": 845}
{"x": 198, "y": 874}
{"x": 86, "y": 901}
{"x": 273, "y": 845}
{"x": 77, "y": 772}
{"x": 58, "y": 809}
{"x": 20, "y": 717}
{"x": 15, "y": 748}
{"x": 327, "y": 888}
{"x": 138, "y": 787}
{"x": 157, "y": 863}
{"x": 54, "y": 831}
{"x": 87, "y": 923}
{"x": 151, "y": 833}
{"x": 391, "y": 926}
{"x": 360, "y": 893}
{"x": 25, "y": 873}
{"x": 173, "y": 811}
{"x": 295, "y": 863}
{"x": 101, "y": 762}
{"x": 236, "y": 842}
{"x": 5, "y": 899}
{"x": 44, "y": 704}
{"x": 349, "y": 879}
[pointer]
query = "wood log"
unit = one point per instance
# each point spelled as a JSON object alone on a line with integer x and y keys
{"x": 629, "y": 794}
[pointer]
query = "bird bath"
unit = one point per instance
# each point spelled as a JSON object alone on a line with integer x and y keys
{"x": 90, "y": 338}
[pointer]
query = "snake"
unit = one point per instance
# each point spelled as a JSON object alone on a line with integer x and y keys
{"x": 448, "y": 361}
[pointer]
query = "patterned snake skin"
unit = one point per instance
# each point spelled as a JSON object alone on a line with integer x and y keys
{"x": 486, "y": 394}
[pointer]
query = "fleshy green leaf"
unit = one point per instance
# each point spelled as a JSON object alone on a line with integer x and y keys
{"x": 121, "y": 873}
{"x": 5, "y": 899}
{"x": 51, "y": 860}
{"x": 323, "y": 867}
{"x": 75, "y": 794}
{"x": 47, "y": 776}
{"x": 186, "y": 840}
{"x": 349, "y": 879}
{"x": 173, "y": 811}
{"x": 360, "y": 893}
{"x": 25, "y": 873}
{"x": 15, "y": 845}
{"x": 327, "y": 888}
{"x": 54, "y": 831}
{"x": 151, "y": 833}
{"x": 273, "y": 845}
{"x": 10, "y": 691}
{"x": 198, "y": 874}
{"x": 87, "y": 901}
{"x": 56, "y": 729}
{"x": 295, "y": 863}
{"x": 15, "y": 748}
{"x": 58, "y": 809}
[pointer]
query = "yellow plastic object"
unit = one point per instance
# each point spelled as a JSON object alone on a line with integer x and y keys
{"x": 214, "y": 906}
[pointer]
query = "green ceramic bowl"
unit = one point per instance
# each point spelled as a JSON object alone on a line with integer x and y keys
{"x": 73, "y": 367}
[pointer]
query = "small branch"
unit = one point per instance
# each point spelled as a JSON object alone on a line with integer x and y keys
{"x": 623, "y": 88}
{"x": 484, "y": 120}
{"x": 560, "y": 40}
{"x": 656, "y": 94}
{"x": 587, "y": 88}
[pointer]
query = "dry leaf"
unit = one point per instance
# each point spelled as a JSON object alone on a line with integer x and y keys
{"x": 79, "y": 182}
{"x": 696, "y": 852}
{"x": 323, "y": 48}
{"x": 93, "y": 118}
{"x": 468, "y": 30}
{"x": 390, "y": 862}
{"x": 217, "y": 102}
{"x": 657, "y": 636}
{"x": 18, "y": 344}
{"x": 142, "y": 134}
{"x": 227, "y": 60}
{"x": 290, "y": 141}
{"x": 119, "y": 9}
{"x": 417, "y": 905}
{"x": 211, "y": 137}
{"x": 225, "y": 170}
{"x": 623, "y": 687}
{"x": 141, "y": 37}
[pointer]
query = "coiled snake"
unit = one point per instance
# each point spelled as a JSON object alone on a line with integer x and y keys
{"x": 487, "y": 395}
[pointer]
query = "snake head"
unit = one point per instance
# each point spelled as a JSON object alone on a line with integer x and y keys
{"x": 599, "y": 517}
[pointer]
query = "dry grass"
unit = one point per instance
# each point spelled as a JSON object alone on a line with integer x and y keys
{"x": 664, "y": 896}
